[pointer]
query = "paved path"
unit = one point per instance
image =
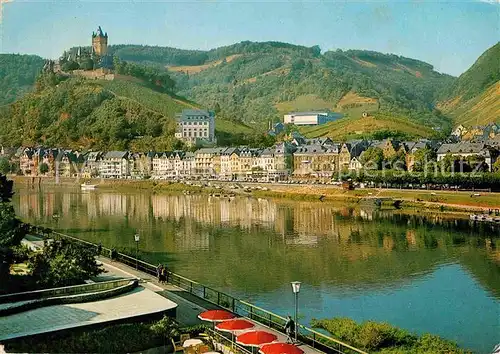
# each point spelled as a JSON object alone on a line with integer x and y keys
{"x": 187, "y": 311}
{"x": 189, "y": 307}
{"x": 140, "y": 301}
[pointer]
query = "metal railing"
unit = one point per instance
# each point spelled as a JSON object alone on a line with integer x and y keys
{"x": 224, "y": 344}
{"x": 267, "y": 318}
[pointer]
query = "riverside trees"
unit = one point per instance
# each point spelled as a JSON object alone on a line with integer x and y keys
{"x": 12, "y": 230}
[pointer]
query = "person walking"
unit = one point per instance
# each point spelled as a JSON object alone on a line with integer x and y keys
{"x": 289, "y": 329}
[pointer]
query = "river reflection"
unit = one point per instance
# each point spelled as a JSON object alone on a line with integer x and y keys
{"x": 424, "y": 273}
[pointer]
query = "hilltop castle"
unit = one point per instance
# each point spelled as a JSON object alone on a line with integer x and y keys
{"x": 99, "y": 42}
{"x": 98, "y": 53}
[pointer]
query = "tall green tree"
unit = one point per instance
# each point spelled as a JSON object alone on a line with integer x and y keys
{"x": 12, "y": 230}
{"x": 372, "y": 158}
{"x": 4, "y": 166}
{"x": 44, "y": 168}
{"x": 64, "y": 263}
{"x": 423, "y": 157}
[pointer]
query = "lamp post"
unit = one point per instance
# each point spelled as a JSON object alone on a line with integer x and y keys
{"x": 296, "y": 289}
{"x": 136, "y": 238}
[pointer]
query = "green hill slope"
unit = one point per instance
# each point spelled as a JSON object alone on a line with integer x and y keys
{"x": 17, "y": 75}
{"x": 474, "y": 98}
{"x": 376, "y": 126}
{"x": 79, "y": 113}
{"x": 258, "y": 82}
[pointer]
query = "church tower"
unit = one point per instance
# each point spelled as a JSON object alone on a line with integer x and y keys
{"x": 100, "y": 42}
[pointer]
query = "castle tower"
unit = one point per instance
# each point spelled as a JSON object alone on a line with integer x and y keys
{"x": 100, "y": 42}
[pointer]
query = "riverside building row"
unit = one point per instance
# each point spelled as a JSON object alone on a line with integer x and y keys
{"x": 298, "y": 158}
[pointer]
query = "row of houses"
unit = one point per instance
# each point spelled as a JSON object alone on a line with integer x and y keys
{"x": 479, "y": 133}
{"x": 297, "y": 158}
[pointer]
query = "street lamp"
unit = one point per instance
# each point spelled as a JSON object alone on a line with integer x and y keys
{"x": 296, "y": 289}
{"x": 136, "y": 238}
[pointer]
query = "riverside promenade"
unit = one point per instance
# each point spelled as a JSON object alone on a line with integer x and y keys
{"x": 188, "y": 306}
{"x": 191, "y": 298}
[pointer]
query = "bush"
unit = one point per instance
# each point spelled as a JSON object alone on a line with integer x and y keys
{"x": 21, "y": 253}
{"x": 382, "y": 337}
{"x": 166, "y": 327}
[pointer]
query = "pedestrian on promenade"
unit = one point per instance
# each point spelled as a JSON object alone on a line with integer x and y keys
{"x": 289, "y": 329}
{"x": 99, "y": 248}
{"x": 164, "y": 274}
{"x": 159, "y": 269}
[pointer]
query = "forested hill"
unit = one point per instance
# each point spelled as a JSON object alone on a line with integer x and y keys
{"x": 77, "y": 113}
{"x": 474, "y": 98}
{"x": 17, "y": 75}
{"x": 261, "y": 81}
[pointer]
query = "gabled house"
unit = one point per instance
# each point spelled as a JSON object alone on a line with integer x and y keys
{"x": 466, "y": 149}
{"x": 115, "y": 164}
{"x": 91, "y": 164}
{"x": 48, "y": 157}
{"x": 315, "y": 160}
{"x": 225, "y": 163}
{"x": 283, "y": 161}
{"x": 350, "y": 150}
{"x": 234, "y": 160}
{"x": 67, "y": 163}
{"x": 140, "y": 164}
{"x": 27, "y": 161}
{"x": 163, "y": 164}
{"x": 188, "y": 164}
{"x": 203, "y": 161}
{"x": 412, "y": 148}
{"x": 247, "y": 159}
{"x": 355, "y": 164}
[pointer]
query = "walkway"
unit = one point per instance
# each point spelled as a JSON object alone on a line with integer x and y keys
{"x": 139, "y": 302}
{"x": 189, "y": 306}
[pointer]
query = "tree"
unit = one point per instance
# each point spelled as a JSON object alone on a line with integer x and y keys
{"x": 44, "y": 168}
{"x": 477, "y": 163}
{"x": 12, "y": 230}
{"x": 496, "y": 166}
{"x": 421, "y": 159}
{"x": 87, "y": 64}
{"x": 4, "y": 166}
{"x": 70, "y": 66}
{"x": 372, "y": 158}
{"x": 63, "y": 263}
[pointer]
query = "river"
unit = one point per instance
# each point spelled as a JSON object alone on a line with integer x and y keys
{"x": 424, "y": 273}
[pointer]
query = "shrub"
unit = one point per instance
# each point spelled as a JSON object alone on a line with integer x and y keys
{"x": 382, "y": 337}
{"x": 20, "y": 253}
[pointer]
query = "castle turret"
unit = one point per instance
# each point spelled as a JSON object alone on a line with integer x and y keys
{"x": 100, "y": 42}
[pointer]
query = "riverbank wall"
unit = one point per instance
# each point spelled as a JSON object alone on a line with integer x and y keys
{"x": 444, "y": 201}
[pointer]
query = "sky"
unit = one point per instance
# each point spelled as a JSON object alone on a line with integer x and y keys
{"x": 450, "y": 35}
